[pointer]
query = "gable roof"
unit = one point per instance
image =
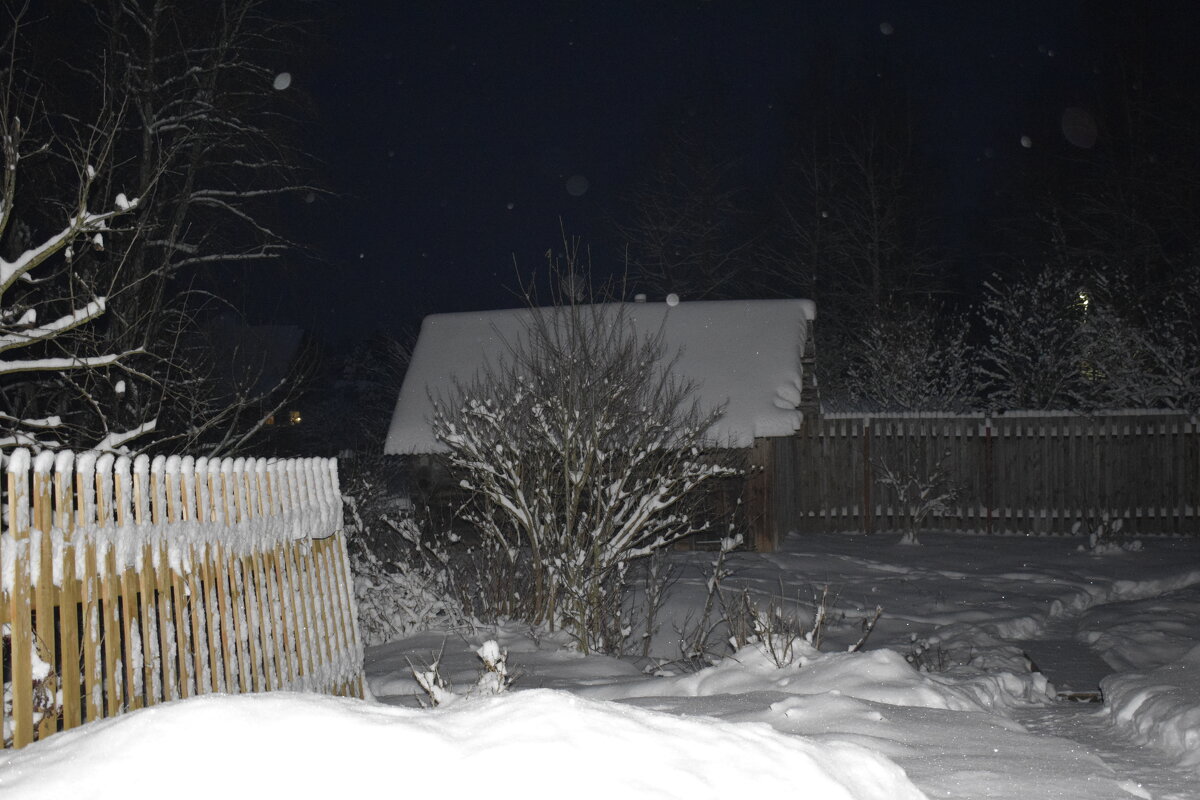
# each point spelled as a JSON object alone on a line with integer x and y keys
{"x": 744, "y": 354}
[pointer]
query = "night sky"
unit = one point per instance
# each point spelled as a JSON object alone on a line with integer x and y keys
{"x": 456, "y": 135}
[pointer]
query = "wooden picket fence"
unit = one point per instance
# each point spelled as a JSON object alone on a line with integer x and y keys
{"x": 125, "y": 583}
{"x": 1016, "y": 473}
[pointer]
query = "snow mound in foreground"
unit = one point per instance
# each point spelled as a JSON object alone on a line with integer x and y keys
{"x": 533, "y": 744}
{"x": 1160, "y": 708}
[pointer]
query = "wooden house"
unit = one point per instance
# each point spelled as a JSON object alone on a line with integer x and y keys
{"x": 752, "y": 357}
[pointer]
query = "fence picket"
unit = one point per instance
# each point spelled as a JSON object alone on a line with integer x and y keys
{"x": 70, "y": 677}
{"x": 20, "y": 637}
{"x": 45, "y": 640}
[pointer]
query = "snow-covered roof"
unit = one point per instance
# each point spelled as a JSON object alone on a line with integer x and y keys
{"x": 744, "y": 354}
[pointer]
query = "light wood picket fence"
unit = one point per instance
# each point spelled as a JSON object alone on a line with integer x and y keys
{"x": 125, "y": 583}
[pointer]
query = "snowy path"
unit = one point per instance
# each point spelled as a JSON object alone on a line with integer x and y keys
{"x": 1088, "y": 725}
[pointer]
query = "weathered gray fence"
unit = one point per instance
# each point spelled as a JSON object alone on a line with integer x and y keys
{"x": 1017, "y": 473}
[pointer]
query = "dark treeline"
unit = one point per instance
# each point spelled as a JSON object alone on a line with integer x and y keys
{"x": 1056, "y": 268}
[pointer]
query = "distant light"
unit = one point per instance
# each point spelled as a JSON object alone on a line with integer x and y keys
{"x": 283, "y": 80}
{"x": 1026, "y": 142}
{"x": 294, "y": 417}
{"x": 1084, "y": 300}
{"x": 672, "y": 299}
{"x": 886, "y": 28}
{"x": 577, "y": 185}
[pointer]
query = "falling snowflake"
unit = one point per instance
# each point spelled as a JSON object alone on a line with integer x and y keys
{"x": 1079, "y": 127}
{"x": 282, "y": 81}
{"x": 1026, "y": 142}
{"x": 886, "y": 28}
{"x": 577, "y": 185}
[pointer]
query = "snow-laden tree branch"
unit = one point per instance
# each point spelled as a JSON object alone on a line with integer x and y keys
{"x": 1062, "y": 340}
{"x": 909, "y": 359}
{"x": 29, "y": 346}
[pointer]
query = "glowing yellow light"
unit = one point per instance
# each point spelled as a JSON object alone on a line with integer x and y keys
{"x": 294, "y": 417}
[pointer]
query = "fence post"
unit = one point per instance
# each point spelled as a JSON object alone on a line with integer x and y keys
{"x": 868, "y": 478}
{"x": 988, "y": 473}
{"x": 758, "y": 497}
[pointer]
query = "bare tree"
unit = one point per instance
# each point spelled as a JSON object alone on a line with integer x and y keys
{"x": 683, "y": 234}
{"x": 45, "y": 307}
{"x": 213, "y": 142}
{"x": 855, "y": 233}
{"x": 581, "y": 453}
{"x": 206, "y": 142}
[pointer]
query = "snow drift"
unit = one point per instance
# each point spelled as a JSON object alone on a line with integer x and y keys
{"x": 540, "y": 743}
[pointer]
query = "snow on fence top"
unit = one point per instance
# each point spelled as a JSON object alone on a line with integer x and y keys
{"x": 744, "y": 354}
{"x": 246, "y": 505}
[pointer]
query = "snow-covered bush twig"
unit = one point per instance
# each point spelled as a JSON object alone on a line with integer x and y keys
{"x": 1107, "y": 536}
{"x": 493, "y": 679}
{"x": 410, "y": 587}
{"x": 698, "y": 641}
{"x": 658, "y": 578}
{"x": 778, "y": 629}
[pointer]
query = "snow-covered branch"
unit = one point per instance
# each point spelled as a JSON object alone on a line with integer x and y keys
{"x": 59, "y": 363}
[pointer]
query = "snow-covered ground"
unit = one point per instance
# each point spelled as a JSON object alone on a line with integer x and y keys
{"x": 829, "y": 724}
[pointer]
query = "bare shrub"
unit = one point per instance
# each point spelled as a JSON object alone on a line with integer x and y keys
{"x": 920, "y": 492}
{"x": 581, "y": 452}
